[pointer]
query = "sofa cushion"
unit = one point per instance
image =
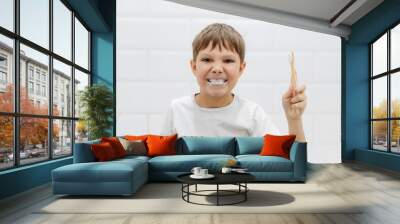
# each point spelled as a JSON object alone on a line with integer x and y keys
{"x": 185, "y": 163}
{"x": 249, "y": 145}
{"x": 159, "y": 145}
{"x": 257, "y": 163}
{"x": 277, "y": 145}
{"x": 103, "y": 151}
{"x": 195, "y": 145}
{"x": 134, "y": 147}
{"x": 116, "y": 145}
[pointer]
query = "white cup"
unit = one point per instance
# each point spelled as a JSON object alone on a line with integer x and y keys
{"x": 196, "y": 170}
{"x": 203, "y": 172}
{"x": 226, "y": 170}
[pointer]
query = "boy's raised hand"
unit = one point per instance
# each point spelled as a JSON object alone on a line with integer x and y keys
{"x": 294, "y": 100}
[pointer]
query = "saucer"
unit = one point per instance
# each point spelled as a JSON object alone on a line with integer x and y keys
{"x": 208, "y": 176}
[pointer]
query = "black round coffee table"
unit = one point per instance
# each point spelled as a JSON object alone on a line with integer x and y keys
{"x": 238, "y": 179}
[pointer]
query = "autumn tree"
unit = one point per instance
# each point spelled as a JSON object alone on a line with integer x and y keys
{"x": 33, "y": 130}
{"x": 380, "y": 127}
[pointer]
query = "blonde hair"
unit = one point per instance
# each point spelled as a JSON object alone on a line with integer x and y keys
{"x": 222, "y": 35}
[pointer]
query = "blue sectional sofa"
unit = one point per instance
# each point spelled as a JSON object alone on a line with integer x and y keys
{"x": 125, "y": 176}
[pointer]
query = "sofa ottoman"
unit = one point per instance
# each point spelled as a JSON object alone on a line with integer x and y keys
{"x": 118, "y": 177}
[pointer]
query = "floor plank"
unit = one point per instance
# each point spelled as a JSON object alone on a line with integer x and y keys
{"x": 376, "y": 188}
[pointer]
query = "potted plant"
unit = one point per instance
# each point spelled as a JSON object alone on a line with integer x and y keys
{"x": 96, "y": 102}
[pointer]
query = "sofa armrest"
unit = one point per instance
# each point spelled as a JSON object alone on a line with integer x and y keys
{"x": 83, "y": 152}
{"x": 298, "y": 155}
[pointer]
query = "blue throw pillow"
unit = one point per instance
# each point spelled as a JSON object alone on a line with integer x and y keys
{"x": 192, "y": 145}
{"x": 249, "y": 145}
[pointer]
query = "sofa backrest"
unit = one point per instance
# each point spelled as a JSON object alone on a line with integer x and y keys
{"x": 249, "y": 145}
{"x": 192, "y": 145}
{"x": 83, "y": 152}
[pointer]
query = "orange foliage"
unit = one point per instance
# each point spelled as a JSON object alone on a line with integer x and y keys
{"x": 34, "y": 130}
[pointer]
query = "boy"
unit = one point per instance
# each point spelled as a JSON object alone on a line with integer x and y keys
{"x": 218, "y": 62}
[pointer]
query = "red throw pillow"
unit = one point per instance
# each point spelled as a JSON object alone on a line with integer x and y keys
{"x": 116, "y": 145}
{"x": 103, "y": 151}
{"x": 161, "y": 145}
{"x": 275, "y": 145}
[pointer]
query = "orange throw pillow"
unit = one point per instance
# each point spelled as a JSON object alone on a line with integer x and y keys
{"x": 103, "y": 151}
{"x": 161, "y": 145}
{"x": 277, "y": 145}
{"x": 136, "y": 137}
{"x": 116, "y": 145}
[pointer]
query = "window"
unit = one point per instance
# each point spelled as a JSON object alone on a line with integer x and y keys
{"x": 35, "y": 21}
{"x": 3, "y": 78}
{"x": 43, "y": 77}
{"x": 385, "y": 92}
{"x": 55, "y": 127}
{"x": 3, "y": 61}
{"x": 62, "y": 29}
{"x": 43, "y": 90}
{"x": 3, "y": 72}
{"x": 81, "y": 45}
{"x": 37, "y": 75}
{"x": 30, "y": 72}
{"x": 38, "y": 89}
{"x": 7, "y": 14}
{"x": 6, "y": 73}
{"x": 62, "y": 75}
{"x": 30, "y": 87}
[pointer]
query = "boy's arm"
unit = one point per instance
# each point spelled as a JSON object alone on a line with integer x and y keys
{"x": 295, "y": 127}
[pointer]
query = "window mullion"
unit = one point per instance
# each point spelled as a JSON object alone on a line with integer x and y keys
{"x": 50, "y": 87}
{"x": 16, "y": 84}
{"x": 73, "y": 82}
{"x": 389, "y": 104}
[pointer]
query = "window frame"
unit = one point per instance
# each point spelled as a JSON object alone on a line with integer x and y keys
{"x": 15, "y": 72}
{"x": 388, "y": 74}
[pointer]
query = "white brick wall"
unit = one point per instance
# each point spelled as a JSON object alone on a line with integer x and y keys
{"x": 154, "y": 40}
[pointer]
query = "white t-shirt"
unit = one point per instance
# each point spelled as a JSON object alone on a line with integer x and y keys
{"x": 240, "y": 118}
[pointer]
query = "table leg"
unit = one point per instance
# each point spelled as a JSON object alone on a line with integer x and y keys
{"x": 196, "y": 188}
{"x": 245, "y": 193}
{"x": 217, "y": 194}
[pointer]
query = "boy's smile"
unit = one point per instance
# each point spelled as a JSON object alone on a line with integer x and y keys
{"x": 217, "y": 72}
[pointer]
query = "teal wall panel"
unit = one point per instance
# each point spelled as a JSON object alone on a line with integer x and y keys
{"x": 356, "y": 103}
{"x": 24, "y": 178}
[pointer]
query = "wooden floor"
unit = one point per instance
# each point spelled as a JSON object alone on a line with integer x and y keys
{"x": 378, "y": 188}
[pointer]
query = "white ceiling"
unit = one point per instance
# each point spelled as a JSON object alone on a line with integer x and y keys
{"x": 315, "y": 15}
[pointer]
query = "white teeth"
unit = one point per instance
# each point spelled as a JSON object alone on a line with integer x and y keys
{"x": 216, "y": 81}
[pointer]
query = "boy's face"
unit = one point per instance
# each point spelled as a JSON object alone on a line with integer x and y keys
{"x": 217, "y": 71}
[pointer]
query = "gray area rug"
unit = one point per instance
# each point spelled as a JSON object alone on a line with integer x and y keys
{"x": 166, "y": 198}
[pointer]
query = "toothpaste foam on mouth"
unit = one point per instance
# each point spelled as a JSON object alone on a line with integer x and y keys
{"x": 216, "y": 81}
